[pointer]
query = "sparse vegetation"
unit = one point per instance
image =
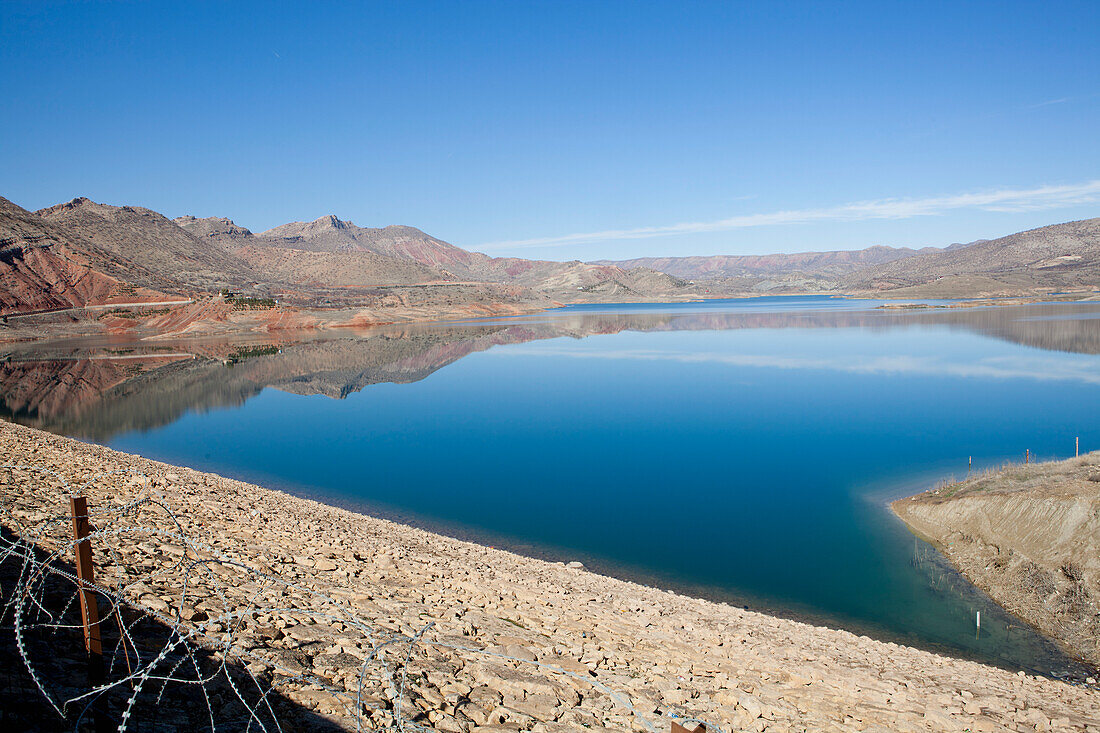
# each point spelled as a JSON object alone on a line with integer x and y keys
{"x": 247, "y": 352}
{"x": 243, "y": 303}
{"x": 131, "y": 313}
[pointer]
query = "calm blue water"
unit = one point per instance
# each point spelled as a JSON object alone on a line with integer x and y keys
{"x": 743, "y": 450}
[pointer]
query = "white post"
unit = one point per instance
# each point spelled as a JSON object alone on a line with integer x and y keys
{"x": 1077, "y": 447}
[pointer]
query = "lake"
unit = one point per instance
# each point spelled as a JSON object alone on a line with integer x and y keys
{"x": 740, "y": 450}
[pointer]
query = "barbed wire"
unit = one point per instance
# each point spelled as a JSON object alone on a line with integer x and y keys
{"x": 203, "y": 655}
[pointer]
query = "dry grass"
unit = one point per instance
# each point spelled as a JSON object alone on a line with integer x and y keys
{"x": 1068, "y": 476}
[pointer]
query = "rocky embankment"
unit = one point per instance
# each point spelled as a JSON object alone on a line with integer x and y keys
{"x": 1029, "y": 535}
{"x": 503, "y": 642}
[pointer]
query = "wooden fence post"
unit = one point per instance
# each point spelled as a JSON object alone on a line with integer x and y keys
{"x": 89, "y": 607}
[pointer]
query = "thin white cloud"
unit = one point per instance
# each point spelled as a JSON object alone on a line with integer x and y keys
{"x": 1061, "y": 100}
{"x": 1005, "y": 200}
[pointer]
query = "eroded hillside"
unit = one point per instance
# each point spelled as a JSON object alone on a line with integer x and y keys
{"x": 1029, "y": 535}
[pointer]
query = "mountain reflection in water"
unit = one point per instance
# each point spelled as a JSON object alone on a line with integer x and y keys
{"x": 138, "y": 386}
{"x": 739, "y": 450}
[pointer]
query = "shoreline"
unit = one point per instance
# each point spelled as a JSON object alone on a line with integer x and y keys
{"x": 1023, "y": 534}
{"x": 665, "y": 583}
{"x": 669, "y": 653}
{"x": 201, "y": 319}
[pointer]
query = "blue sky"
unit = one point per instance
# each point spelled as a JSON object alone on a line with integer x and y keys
{"x": 565, "y": 130}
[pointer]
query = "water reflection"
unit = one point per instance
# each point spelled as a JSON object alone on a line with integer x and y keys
{"x": 768, "y": 433}
{"x": 142, "y": 385}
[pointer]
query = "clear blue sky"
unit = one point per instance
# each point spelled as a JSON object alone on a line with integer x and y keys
{"x": 492, "y": 124}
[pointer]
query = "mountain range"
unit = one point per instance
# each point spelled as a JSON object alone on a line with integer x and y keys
{"x": 1060, "y": 257}
{"x": 831, "y": 264}
{"x": 85, "y": 254}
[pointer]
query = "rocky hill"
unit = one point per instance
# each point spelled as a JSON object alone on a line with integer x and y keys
{"x": 151, "y": 241}
{"x": 83, "y": 253}
{"x": 332, "y": 251}
{"x": 44, "y": 267}
{"x": 290, "y": 260}
{"x": 218, "y": 228}
{"x": 827, "y": 264}
{"x": 330, "y": 234}
{"x": 1062, "y": 256}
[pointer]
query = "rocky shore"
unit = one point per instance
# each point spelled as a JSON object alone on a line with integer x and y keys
{"x": 1029, "y": 536}
{"x": 502, "y": 642}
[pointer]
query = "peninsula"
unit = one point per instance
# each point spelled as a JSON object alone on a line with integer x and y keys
{"x": 1029, "y": 535}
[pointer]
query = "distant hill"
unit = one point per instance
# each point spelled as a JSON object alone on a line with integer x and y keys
{"x": 297, "y": 261}
{"x": 43, "y": 266}
{"x": 1062, "y": 256}
{"x": 1058, "y": 257}
{"x": 821, "y": 264}
{"x": 331, "y": 234}
{"x": 150, "y": 241}
{"x": 336, "y": 252}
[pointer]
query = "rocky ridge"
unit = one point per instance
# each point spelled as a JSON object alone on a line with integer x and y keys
{"x": 824, "y": 264}
{"x": 1061, "y": 256}
{"x": 82, "y": 253}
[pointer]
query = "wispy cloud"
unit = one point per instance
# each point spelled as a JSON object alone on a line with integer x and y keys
{"x": 1060, "y": 100}
{"x": 1003, "y": 200}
